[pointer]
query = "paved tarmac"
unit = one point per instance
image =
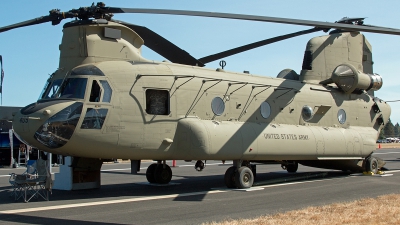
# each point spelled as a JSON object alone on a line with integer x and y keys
{"x": 195, "y": 197}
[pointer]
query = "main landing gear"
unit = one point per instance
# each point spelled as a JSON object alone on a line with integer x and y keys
{"x": 240, "y": 175}
{"x": 159, "y": 173}
{"x": 371, "y": 165}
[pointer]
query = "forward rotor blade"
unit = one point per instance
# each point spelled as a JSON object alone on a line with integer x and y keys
{"x": 322, "y": 25}
{"x": 38, "y": 20}
{"x": 162, "y": 46}
{"x": 243, "y": 48}
{"x": 55, "y": 17}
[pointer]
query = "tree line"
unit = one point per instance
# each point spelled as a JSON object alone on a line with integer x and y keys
{"x": 390, "y": 130}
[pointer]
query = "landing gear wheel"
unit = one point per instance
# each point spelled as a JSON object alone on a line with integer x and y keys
{"x": 254, "y": 170}
{"x": 371, "y": 165}
{"x": 244, "y": 177}
{"x": 163, "y": 175}
{"x": 292, "y": 167}
{"x": 150, "y": 173}
{"x": 230, "y": 177}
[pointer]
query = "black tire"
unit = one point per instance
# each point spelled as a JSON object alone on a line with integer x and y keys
{"x": 163, "y": 175}
{"x": 292, "y": 167}
{"x": 150, "y": 173}
{"x": 230, "y": 177}
{"x": 254, "y": 170}
{"x": 244, "y": 178}
{"x": 371, "y": 165}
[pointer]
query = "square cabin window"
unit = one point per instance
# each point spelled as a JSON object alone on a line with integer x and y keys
{"x": 157, "y": 102}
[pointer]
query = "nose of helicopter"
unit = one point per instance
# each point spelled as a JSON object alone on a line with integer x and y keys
{"x": 47, "y": 125}
{"x": 385, "y": 109}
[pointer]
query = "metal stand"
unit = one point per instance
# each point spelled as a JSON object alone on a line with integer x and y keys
{"x": 135, "y": 166}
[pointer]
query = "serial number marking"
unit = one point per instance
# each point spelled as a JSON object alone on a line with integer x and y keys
{"x": 271, "y": 136}
{"x": 294, "y": 137}
{"x": 303, "y": 137}
{"x": 113, "y": 128}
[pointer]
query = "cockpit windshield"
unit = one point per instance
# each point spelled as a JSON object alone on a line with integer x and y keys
{"x": 71, "y": 88}
{"x": 50, "y": 88}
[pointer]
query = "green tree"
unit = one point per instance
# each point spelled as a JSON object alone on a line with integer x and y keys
{"x": 382, "y": 134}
{"x": 396, "y": 130}
{"x": 388, "y": 130}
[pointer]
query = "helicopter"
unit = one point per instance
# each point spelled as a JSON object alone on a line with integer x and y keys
{"x": 107, "y": 101}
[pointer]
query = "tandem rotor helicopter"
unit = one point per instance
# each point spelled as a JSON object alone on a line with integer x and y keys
{"x": 106, "y": 101}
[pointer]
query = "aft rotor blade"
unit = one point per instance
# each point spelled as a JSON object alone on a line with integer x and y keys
{"x": 243, "y": 48}
{"x": 322, "y": 25}
{"x": 162, "y": 46}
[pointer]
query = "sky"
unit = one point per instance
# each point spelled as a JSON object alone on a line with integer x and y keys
{"x": 31, "y": 54}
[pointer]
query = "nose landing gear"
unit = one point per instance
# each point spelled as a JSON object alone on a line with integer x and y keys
{"x": 159, "y": 173}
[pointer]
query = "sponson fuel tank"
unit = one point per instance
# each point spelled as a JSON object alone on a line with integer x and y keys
{"x": 210, "y": 139}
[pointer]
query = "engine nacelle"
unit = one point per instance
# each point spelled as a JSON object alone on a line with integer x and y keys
{"x": 349, "y": 79}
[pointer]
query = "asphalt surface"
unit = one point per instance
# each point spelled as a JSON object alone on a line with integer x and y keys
{"x": 195, "y": 197}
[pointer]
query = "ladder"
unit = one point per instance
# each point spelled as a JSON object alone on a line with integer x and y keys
{"x": 23, "y": 155}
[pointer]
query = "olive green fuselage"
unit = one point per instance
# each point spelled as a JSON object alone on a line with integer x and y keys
{"x": 213, "y": 115}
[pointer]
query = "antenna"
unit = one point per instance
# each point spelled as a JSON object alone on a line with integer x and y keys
{"x": 1, "y": 79}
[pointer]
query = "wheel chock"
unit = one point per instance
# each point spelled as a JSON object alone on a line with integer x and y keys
{"x": 381, "y": 172}
{"x": 370, "y": 173}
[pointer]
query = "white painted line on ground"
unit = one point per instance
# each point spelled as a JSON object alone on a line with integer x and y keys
{"x": 36, "y": 209}
{"x": 392, "y": 171}
{"x": 142, "y": 168}
{"x": 18, "y": 168}
{"x": 299, "y": 182}
{"x": 222, "y": 190}
{"x": 158, "y": 185}
{"x": 249, "y": 189}
{"x": 386, "y": 175}
{"x": 116, "y": 169}
{"x": 385, "y": 153}
{"x": 375, "y": 175}
{"x": 208, "y": 164}
{"x": 211, "y": 164}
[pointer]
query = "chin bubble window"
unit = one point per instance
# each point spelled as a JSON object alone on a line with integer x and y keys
{"x": 58, "y": 129}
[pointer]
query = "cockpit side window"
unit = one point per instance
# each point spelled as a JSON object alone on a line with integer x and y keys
{"x": 107, "y": 91}
{"x": 95, "y": 93}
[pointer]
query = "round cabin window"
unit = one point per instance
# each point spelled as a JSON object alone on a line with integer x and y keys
{"x": 265, "y": 110}
{"x": 307, "y": 113}
{"x": 218, "y": 106}
{"x": 341, "y": 115}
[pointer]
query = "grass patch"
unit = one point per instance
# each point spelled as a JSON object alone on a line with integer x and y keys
{"x": 384, "y": 209}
